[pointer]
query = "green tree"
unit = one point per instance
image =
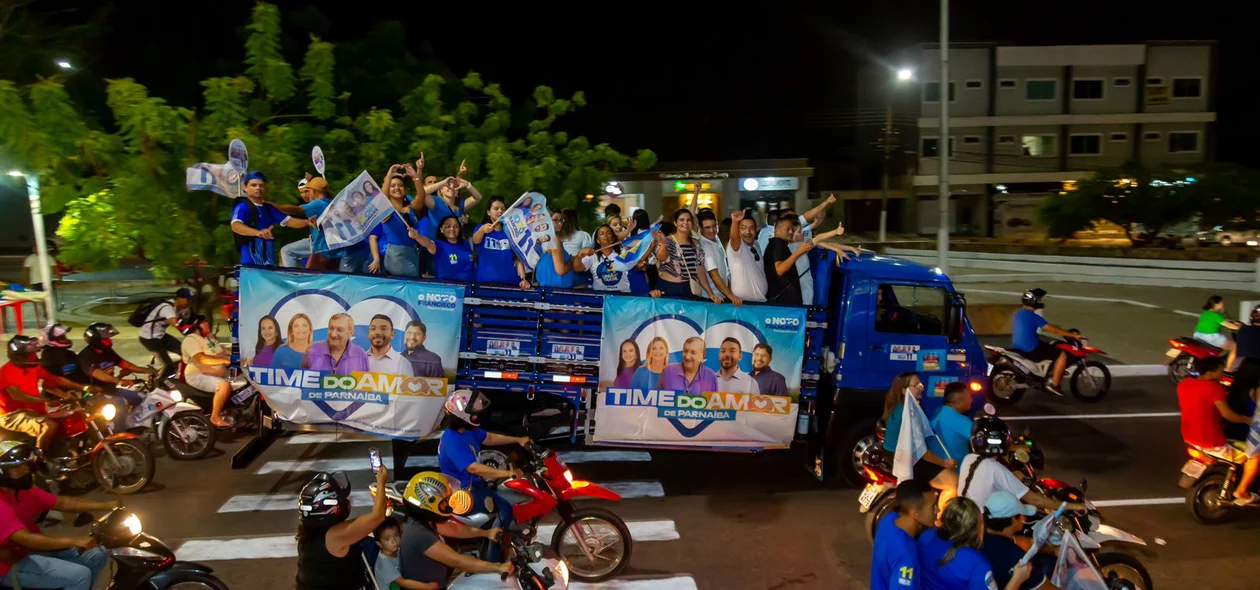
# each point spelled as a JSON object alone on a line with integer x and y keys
{"x": 120, "y": 181}
{"x": 1129, "y": 196}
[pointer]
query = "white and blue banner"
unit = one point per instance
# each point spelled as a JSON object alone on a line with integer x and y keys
{"x": 217, "y": 178}
{"x": 354, "y": 212}
{"x": 690, "y": 373}
{"x": 1253, "y": 435}
{"x": 528, "y": 225}
{"x": 634, "y": 248}
{"x": 373, "y": 354}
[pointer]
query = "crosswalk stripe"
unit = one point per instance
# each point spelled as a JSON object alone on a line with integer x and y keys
{"x": 345, "y": 464}
{"x": 492, "y": 582}
{"x": 566, "y": 456}
{"x": 426, "y": 461}
{"x": 285, "y": 546}
{"x": 334, "y": 437}
{"x": 637, "y": 489}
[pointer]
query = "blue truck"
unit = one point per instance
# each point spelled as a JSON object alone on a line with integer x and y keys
{"x": 873, "y": 317}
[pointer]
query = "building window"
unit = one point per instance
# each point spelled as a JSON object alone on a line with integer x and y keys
{"x": 1187, "y": 88}
{"x": 1087, "y": 89}
{"x": 1183, "y": 142}
{"x": 1041, "y": 89}
{"x": 931, "y": 147}
{"x": 1085, "y": 145}
{"x": 1122, "y": 82}
{"x": 974, "y": 84}
{"x": 1155, "y": 81}
{"x": 1007, "y": 84}
{"x": 1150, "y": 136}
{"x": 1038, "y": 146}
{"x": 1006, "y": 139}
{"x": 925, "y": 311}
{"x": 932, "y": 92}
{"x": 971, "y": 139}
{"x": 1118, "y": 137}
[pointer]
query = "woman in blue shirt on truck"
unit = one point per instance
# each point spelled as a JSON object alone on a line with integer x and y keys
{"x": 452, "y": 254}
{"x": 496, "y": 263}
{"x": 401, "y": 258}
{"x": 931, "y": 468}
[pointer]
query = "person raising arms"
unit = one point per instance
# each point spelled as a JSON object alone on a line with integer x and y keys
{"x": 496, "y": 263}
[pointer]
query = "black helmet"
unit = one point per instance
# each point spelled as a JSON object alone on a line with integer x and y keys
{"x": 57, "y": 336}
{"x": 190, "y": 324}
{"x": 1032, "y": 298}
{"x": 24, "y": 350}
{"x": 990, "y": 437}
{"x": 13, "y": 454}
{"x": 100, "y": 334}
{"x": 325, "y": 501}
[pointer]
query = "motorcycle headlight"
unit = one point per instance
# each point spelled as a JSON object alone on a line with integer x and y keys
{"x": 562, "y": 572}
{"x": 177, "y": 396}
{"x": 109, "y": 411}
{"x": 132, "y": 524}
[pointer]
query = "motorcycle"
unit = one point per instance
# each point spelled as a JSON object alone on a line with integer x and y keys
{"x": 1012, "y": 374}
{"x": 1210, "y": 483}
{"x": 184, "y": 430}
{"x": 88, "y": 449}
{"x": 241, "y": 409}
{"x": 534, "y": 567}
{"x": 1184, "y": 352}
{"x": 144, "y": 561}
{"x": 594, "y": 542}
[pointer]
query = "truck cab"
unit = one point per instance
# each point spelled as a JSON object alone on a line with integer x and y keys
{"x": 885, "y": 316}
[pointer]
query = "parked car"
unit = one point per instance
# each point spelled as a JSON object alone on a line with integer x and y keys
{"x": 1238, "y": 237}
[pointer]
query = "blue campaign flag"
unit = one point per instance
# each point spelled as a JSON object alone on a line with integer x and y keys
{"x": 634, "y": 248}
{"x": 354, "y": 212}
{"x": 216, "y": 178}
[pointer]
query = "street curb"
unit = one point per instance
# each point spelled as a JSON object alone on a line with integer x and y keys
{"x": 1137, "y": 370}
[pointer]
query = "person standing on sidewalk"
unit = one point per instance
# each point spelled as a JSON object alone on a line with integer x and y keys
{"x": 153, "y": 336}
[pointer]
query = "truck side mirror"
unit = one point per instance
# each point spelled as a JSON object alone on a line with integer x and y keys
{"x": 955, "y": 319}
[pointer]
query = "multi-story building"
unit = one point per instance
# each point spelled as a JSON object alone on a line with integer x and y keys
{"x": 1024, "y": 120}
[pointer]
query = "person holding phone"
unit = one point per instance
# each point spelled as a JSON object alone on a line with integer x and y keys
{"x": 330, "y": 556}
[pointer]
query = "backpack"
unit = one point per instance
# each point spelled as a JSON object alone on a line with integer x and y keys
{"x": 251, "y": 220}
{"x": 138, "y": 317}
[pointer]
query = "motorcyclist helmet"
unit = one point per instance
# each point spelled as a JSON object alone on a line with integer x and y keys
{"x": 14, "y": 454}
{"x": 100, "y": 335}
{"x": 432, "y": 496}
{"x": 467, "y": 405}
{"x": 57, "y": 336}
{"x": 24, "y": 350}
{"x": 325, "y": 500}
{"x": 1032, "y": 298}
{"x": 990, "y": 437}
{"x": 191, "y": 324}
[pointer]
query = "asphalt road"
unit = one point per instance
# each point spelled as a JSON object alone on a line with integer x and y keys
{"x": 728, "y": 521}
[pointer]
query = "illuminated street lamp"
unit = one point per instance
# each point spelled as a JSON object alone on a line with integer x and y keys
{"x": 904, "y": 76}
{"x": 41, "y": 247}
{"x": 64, "y": 64}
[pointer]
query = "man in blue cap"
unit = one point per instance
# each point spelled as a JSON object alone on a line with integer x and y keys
{"x": 1004, "y": 517}
{"x": 252, "y": 220}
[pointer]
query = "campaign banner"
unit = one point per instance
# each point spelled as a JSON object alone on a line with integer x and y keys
{"x": 218, "y": 178}
{"x": 354, "y": 212}
{"x": 691, "y": 373}
{"x": 633, "y": 249}
{"x": 350, "y": 350}
{"x": 528, "y": 225}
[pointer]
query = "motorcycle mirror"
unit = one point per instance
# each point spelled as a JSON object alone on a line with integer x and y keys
{"x": 990, "y": 410}
{"x": 1084, "y": 485}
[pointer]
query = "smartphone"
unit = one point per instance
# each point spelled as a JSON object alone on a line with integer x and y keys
{"x": 374, "y": 458}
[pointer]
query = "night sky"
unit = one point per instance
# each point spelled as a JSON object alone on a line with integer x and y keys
{"x": 692, "y": 81}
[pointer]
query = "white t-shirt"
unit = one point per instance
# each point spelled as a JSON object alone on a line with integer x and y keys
{"x": 715, "y": 258}
{"x": 991, "y": 476}
{"x": 748, "y": 272}
{"x": 577, "y": 242}
{"x": 193, "y": 344}
{"x": 603, "y": 276}
{"x": 32, "y": 263}
{"x": 156, "y": 322}
{"x": 391, "y": 363}
{"x": 802, "y": 263}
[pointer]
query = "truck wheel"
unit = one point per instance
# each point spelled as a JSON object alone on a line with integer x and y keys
{"x": 1004, "y": 384}
{"x": 859, "y": 440}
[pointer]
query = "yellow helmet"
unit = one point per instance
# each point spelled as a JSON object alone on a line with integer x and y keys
{"x": 435, "y": 494}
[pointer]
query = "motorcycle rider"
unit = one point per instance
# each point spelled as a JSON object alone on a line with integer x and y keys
{"x": 99, "y": 360}
{"x": 424, "y": 557}
{"x": 1004, "y": 518}
{"x": 56, "y": 356}
{"x": 34, "y": 559}
{"x": 461, "y": 443}
{"x": 205, "y": 364}
{"x": 330, "y": 556}
{"x": 982, "y": 472}
{"x": 1203, "y": 405}
{"x": 1024, "y": 326}
{"x": 1246, "y": 374}
{"x": 20, "y": 401}
{"x": 896, "y": 556}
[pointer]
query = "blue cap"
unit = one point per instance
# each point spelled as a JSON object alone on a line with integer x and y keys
{"x": 183, "y": 293}
{"x": 254, "y": 175}
{"x": 1002, "y": 504}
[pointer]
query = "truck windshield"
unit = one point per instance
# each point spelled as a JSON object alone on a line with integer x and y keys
{"x": 911, "y": 309}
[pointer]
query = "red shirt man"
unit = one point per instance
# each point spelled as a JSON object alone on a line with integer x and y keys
{"x": 20, "y": 378}
{"x": 1203, "y": 405}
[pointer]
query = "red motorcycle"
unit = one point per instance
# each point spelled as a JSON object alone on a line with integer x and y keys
{"x": 1013, "y": 374}
{"x": 1184, "y": 353}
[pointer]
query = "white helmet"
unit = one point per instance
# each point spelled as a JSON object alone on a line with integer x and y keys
{"x": 467, "y": 405}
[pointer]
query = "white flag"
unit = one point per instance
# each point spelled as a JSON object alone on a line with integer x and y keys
{"x": 912, "y": 440}
{"x": 1074, "y": 570}
{"x": 354, "y": 212}
{"x": 1253, "y": 436}
{"x": 1045, "y": 531}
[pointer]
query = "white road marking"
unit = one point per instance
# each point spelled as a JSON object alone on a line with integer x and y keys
{"x": 636, "y": 489}
{"x": 1137, "y": 370}
{"x": 567, "y": 457}
{"x": 350, "y": 464}
{"x": 1093, "y": 416}
{"x": 363, "y": 498}
{"x": 423, "y": 461}
{"x": 1136, "y": 502}
{"x": 647, "y": 530}
{"x": 492, "y": 582}
{"x": 334, "y": 437}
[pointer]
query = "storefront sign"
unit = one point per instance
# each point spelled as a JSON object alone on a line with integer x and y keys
{"x": 702, "y": 175}
{"x": 771, "y": 183}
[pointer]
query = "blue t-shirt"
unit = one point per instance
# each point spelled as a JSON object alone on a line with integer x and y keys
{"x": 287, "y": 358}
{"x": 892, "y": 428}
{"x": 394, "y": 231}
{"x": 954, "y": 430}
{"x": 495, "y": 261}
{"x": 968, "y": 570}
{"x": 1024, "y": 326}
{"x": 453, "y": 262}
{"x": 313, "y": 210}
{"x": 1003, "y": 554}
{"x": 258, "y": 250}
{"x": 438, "y": 212}
{"x": 546, "y": 272}
{"x": 456, "y": 451}
{"x": 895, "y": 563}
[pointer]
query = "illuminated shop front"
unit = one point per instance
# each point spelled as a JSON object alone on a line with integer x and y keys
{"x": 760, "y": 185}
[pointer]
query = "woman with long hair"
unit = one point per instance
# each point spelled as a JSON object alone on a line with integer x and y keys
{"x": 452, "y": 254}
{"x": 643, "y": 276}
{"x": 600, "y": 262}
{"x": 269, "y": 339}
{"x": 300, "y": 335}
{"x": 681, "y": 261}
{"x": 1209, "y": 327}
{"x": 950, "y": 554}
{"x": 401, "y": 258}
{"x": 496, "y": 264}
{"x": 940, "y": 473}
{"x": 649, "y": 375}
{"x": 627, "y": 363}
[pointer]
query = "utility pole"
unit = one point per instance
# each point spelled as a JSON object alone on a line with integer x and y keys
{"x": 942, "y": 232}
{"x": 883, "y": 196}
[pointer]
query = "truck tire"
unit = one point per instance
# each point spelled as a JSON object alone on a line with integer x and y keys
{"x": 856, "y": 440}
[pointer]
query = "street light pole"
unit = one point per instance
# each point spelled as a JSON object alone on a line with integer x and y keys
{"x": 883, "y": 195}
{"x": 943, "y": 149}
{"x": 41, "y": 246}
